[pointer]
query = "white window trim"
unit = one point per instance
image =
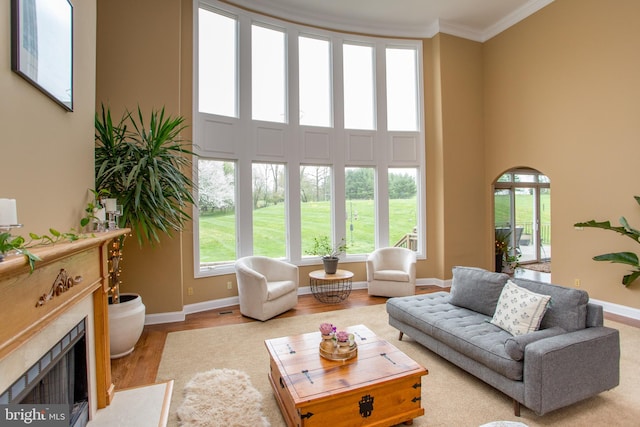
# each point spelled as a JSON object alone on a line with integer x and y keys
{"x": 293, "y": 156}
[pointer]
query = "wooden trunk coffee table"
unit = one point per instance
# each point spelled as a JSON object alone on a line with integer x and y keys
{"x": 379, "y": 387}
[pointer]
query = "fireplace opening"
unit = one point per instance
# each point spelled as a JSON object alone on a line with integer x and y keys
{"x": 59, "y": 377}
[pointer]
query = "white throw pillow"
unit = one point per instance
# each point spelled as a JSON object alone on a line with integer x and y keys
{"x": 519, "y": 311}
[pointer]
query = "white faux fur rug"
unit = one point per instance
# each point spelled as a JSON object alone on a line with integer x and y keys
{"x": 221, "y": 397}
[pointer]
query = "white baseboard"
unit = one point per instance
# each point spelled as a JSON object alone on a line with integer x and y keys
{"x": 179, "y": 316}
{"x": 434, "y": 282}
{"x": 158, "y": 318}
{"x": 620, "y": 310}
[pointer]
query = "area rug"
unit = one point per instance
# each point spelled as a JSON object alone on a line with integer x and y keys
{"x": 450, "y": 396}
{"x": 221, "y": 397}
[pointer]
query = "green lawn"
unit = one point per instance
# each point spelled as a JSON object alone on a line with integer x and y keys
{"x": 524, "y": 211}
{"x": 218, "y": 236}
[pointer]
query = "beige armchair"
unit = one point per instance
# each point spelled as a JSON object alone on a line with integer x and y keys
{"x": 391, "y": 272}
{"x": 266, "y": 286}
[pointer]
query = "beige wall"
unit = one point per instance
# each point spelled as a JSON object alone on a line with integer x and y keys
{"x": 140, "y": 63}
{"x": 562, "y": 95}
{"x": 463, "y": 198}
{"x": 46, "y": 152}
{"x": 556, "y": 92}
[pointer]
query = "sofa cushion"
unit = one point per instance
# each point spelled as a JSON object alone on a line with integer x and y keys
{"x": 477, "y": 289}
{"x": 519, "y": 310}
{"x": 391, "y": 275}
{"x": 567, "y": 307}
{"x": 279, "y": 288}
{"x": 514, "y": 346}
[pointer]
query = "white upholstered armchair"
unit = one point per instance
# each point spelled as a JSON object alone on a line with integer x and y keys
{"x": 266, "y": 286}
{"x": 391, "y": 272}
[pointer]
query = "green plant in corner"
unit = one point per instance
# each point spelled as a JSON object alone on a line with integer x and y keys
{"x": 628, "y": 258}
{"x": 143, "y": 166}
{"x": 146, "y": 167}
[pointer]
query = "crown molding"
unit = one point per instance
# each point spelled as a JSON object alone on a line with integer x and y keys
{"x": 513, "y": 18}
{"x": 428, "y": 30}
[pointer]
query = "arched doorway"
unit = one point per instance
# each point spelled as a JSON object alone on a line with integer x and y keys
{"x": 522, "y": 214}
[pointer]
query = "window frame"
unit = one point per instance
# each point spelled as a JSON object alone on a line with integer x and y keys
{"x": 234, "y": 139}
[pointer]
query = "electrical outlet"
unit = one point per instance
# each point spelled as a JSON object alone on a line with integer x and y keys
{"x": 576, "y": 283}
{"x": 189, "y": 291}
{"x": 229, "y": 285}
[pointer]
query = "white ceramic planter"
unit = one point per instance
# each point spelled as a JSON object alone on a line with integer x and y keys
{"x": 126, "y": 321}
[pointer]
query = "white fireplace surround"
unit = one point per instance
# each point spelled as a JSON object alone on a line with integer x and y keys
{"x": 20, "y": 360}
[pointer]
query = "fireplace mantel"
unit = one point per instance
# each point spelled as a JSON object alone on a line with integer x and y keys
{"x": 29, "y": 308}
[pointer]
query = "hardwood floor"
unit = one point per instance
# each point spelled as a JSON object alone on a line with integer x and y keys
{"x": 141, "y": 366}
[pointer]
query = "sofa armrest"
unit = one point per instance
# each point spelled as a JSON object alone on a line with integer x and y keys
{"x": 595, "y": 315}
{"x": 250, "y": 283}
{"x": 567, "y": 368}
{"x": 370, "y": 266}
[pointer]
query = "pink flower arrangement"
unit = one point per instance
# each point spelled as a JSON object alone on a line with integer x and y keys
{"x": 342, "y": 336}
{"x": 327, "y": 329}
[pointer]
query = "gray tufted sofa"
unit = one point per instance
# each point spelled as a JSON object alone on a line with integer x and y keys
{"x": 571, "y": 357}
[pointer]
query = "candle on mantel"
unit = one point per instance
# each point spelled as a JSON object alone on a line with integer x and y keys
{"x": 8, "y": 212}
{"x": 110, "y": 204}
{"x": 100, "y": 215}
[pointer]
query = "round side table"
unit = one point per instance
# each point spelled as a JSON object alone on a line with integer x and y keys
{"x": 330, "y": 288}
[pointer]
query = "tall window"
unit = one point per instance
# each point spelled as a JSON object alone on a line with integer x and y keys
{"x": 271, "y": 182}
{"x": 403, "y": 207}
{"x": 402, "y": 90}
{"x": 268, "y": 74}
{"x": 315, "y": 204}
{"x": 359, "y": 98}
{"x": 314, "y": 57}
{"x": 217, "y": 55}
{"x": 269, "y": 221}
{"x": 217, "y": 211}
{"x": 361, "y": 210}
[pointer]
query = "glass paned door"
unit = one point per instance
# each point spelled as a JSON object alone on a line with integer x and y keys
{"x": 503, "y": 222}
{"x": 526, "y": 223}
{"x": 522, "y": 210}
{"x": 545, "y": 225}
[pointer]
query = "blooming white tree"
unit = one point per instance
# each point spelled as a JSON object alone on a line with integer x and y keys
{"x": 216, "y": 185}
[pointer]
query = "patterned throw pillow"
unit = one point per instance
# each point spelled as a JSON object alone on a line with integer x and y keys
{"x": 519, "y": 310}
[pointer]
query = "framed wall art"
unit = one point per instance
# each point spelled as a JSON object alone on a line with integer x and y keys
{"x": 42, "y": 46}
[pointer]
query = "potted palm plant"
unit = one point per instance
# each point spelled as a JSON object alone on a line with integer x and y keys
{"x": 329, "y": 253}
{"x": 142, "y": 164}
